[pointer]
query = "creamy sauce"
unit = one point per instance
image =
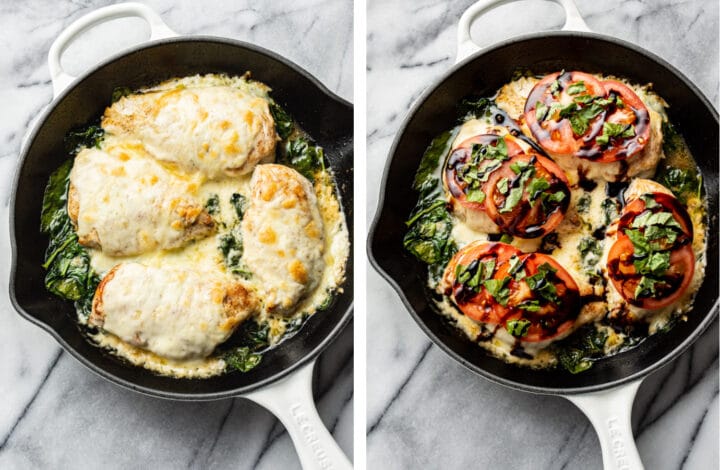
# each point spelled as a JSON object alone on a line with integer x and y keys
{"x": 203, "y": 255}
{"x": 588, "y": 223}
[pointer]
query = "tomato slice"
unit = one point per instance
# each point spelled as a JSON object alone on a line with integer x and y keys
{"x": 539, "y": 293}
{"x": 596, "y": 104}
{"x": 544, "y": 196}
{"x": 652, "y": 290}
{"x": 461, "y": 160}
{"x": 633, "y": 113}
{"x": 625, "y": 278}
{"x": 553, "y": 133}
{"x": 479, "y": 306}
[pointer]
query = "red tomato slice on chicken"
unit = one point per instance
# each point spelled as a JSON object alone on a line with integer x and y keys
{"x": 652, "y": 262}
{"x": 530, "y": 295}
{"x": 527, "y": 196}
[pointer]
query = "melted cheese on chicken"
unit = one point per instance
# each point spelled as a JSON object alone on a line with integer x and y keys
{"x": 126, "y": 203}
{"x": 283, "y": 236}
{"x": 218, "y": 130}
{"x": 178, "y": 314}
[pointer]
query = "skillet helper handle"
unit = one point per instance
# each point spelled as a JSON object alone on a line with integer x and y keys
{"x": 291, "y": 401}
{"x": 466, "y": 46}
{"x": 610, "y": 413}
{"x": 60, "y": 78}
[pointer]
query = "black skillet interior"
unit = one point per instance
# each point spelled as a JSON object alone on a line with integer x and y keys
{"x": 436, "y": 111}
{"x": 328, "y": 119}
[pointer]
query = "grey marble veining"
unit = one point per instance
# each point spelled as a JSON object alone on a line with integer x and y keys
{"x": 54, "y": 413}
{"x": 425, "y": 410}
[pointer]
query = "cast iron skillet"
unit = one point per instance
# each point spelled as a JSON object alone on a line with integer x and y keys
{"x": 326, "y": 117}
{"x": 436, "y": 111}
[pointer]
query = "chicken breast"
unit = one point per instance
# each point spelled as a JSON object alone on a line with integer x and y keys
{"x": 178, "y": 314}
{"x": 512, "y": 97}
{"x": 216, "y": 131}
{"x": 123, "y": 202}
{"x": 283, "y": 236}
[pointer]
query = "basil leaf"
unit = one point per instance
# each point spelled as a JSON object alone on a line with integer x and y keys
{"x": 537, "y": 186}
{"x": 498, "y": 289}
{"x": 475, "y": 195}
{"x": 518, "y": 328}
{"x": 284, "y": 125}
{"x": 576, "y": 88}
{"x": 541, "y": 111}
{"x": 512, "y": 200}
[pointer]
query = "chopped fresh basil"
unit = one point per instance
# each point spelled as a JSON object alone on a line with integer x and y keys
{"x": 655, "y": 264}
{"x": 556, "y": 197}
{"x": 518, "y": 328}
{"x": 530, "y": 305}
{"x": 518, "y": 167}
{"x": 646, "y": 287}
{"x": 506, "y": 238}
{"x": 502, "y": 185}
{"x": 611, "y": 129}
{"x": 498, "y": 289}
{"x": 514, "y": 265}
{"x": 541, "y": 111}
{"x": 555, "y": 86}
{"x": 576, "y": 88}
{"x": 536, "y": 187}
{"x": 541, "y": 283}
{"x": 482, "y": 152}
{"x": 475, "y": 195}
{"x": 512, "y": 200}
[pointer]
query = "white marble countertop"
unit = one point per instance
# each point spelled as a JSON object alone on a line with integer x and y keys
{"x": 425, "y": 410}
{"x": 55, "y": 413}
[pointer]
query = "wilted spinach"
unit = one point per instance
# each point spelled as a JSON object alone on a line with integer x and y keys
{"x": 683, "y": 183}
{"x": 305, "y": 157}
{"x": 120, "y": 92}
{"x": 69, "y": 274}
{"x": 578, "y": 352}
{"x": 473, "y": 108}
{"x": 239, "y": 202}
{"x": 230, "y": 243}
{"x": 89, "y": 136}
{"x": 212, "y": 205}
{"x": 283, "y": 121}
{"x": 429, "y": 224}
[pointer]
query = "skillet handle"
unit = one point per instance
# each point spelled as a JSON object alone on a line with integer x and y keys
{"x": 60, "y": 78}
{"x": 610, "y": 413}
{"x": 291, "y": 401}
{"x": 466, "y": 46}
